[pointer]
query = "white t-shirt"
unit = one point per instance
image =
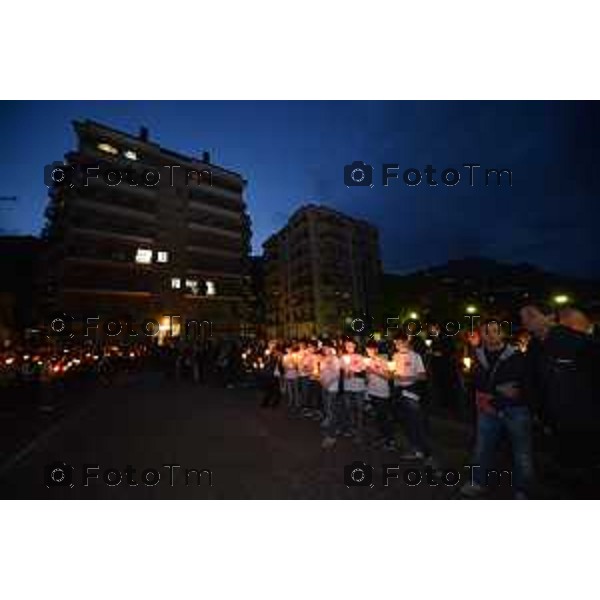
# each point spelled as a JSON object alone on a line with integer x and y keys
{"x": 407, "y": 364}
{"x": 377, "y": 382}
{"x": 354, "y": 366}
{"x": 306, "y": 363}
{"x": 330, "y": 373}
{"x": 290, "y": 369}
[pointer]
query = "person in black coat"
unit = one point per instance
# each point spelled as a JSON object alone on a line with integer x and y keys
{"x": 499, "y": 376}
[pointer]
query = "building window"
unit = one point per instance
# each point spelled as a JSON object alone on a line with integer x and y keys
{"x": 107, "y": 148}
{"x": 162, "y": 256}
{"x": 143, "y": 256}
{"x": 211, "y": 290}
{"x": 192, "y": 284}
{"x": 176, "y": 283}
{"x": 130, "y": 154}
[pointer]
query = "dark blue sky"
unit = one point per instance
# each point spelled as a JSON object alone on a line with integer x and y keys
{"x": 294, "y": 152}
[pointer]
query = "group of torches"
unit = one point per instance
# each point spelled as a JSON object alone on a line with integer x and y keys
{"x": 56, "y": 365}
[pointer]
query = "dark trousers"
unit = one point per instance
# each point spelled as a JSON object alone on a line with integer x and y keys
{"x": 271, "y": 391}
{"x": 414, "y": 420}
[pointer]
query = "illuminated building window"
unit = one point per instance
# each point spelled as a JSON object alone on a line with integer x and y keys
{"x": 130, "y": 154}
{"x": 143, "y": 256}
{"x": 175, "y": 283}
{"x": 162, "y": 256}
{"x": 107, "y": 148}
{"x": 211, "y": 290}
{"x": 191, "y": 284}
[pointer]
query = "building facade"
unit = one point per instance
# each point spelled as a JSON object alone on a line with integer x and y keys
{"x": 321, "y": 271}
{"x": 141, "y": 232}
{"x": 19, "y": 259}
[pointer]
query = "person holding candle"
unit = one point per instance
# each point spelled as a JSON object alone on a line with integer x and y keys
{"x": 290, "y": 377}
{"x": 378, "y": 391}
{"x": 269, "y": 377}
{"x": 499, "y": 378}
{"x": 329, "y": 378}
{"x": 354, "y": 384}
{"x": 409, "y": 389}
{"x": 305, "y": 371}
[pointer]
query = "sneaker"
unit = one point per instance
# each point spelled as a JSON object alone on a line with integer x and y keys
{"x": 472, "y": 490}
{"x": 328, "y": 442}
{"x": 416, "y": 455}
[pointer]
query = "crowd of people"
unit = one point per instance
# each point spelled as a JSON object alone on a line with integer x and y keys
{"x": 544, "y": 377}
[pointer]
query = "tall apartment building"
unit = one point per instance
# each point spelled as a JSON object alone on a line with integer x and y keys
{"x": 321, "y": 270}
{"x": 150, "y": 245}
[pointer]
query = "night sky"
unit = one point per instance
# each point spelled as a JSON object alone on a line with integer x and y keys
{"x": 292, "y": 153}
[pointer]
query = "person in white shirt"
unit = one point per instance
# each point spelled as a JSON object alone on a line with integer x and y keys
{"x": 306, "y": 367}
{"x": 378, "y": 391}
{"x": 410, "y": 378}
{"x": 329, "y": 378}
{"x": 290, "y": 378}
{"x": 354, "y": 385}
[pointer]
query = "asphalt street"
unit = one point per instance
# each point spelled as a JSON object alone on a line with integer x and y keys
{"x": 220, "y": 444}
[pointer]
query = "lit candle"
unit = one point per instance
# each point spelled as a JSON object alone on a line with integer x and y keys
{"x": 367, "y": 362}
{"x": 467, "y": 362}
{"x": 346, "y": 359}
{"x": 391, "y": 365}
{"x": 428, "y": 343}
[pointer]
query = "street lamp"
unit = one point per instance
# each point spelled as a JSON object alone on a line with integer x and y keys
{"x": 471, "y": 310}
{"x": 561, "y": 299}
{"x": 413, "y": 315}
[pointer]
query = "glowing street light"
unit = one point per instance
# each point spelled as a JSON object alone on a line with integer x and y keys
{"x": 561, "y": 299}
{"x": 471, "y": 310}
{"x": 413, "y": 315}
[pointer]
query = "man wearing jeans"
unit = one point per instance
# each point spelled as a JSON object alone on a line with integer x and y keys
{"x": 498, "y": 378}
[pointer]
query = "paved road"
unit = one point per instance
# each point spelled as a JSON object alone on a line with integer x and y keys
{"x": 251, "y": 452}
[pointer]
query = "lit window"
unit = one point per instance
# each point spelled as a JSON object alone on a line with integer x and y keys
{"x": 162, "y": 256}
{"x": 211, "y": 290}
{"x": 175, "y": 283}
{"x": 130, "y": 154}
{"x": 192, "y": 284}
{"x": 143, "y": 256}
{"x": 107, "y": 148}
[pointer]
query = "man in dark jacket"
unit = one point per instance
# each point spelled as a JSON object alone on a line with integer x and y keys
{"x": 563, "y": 367}
{"x": 502, "y": 409}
